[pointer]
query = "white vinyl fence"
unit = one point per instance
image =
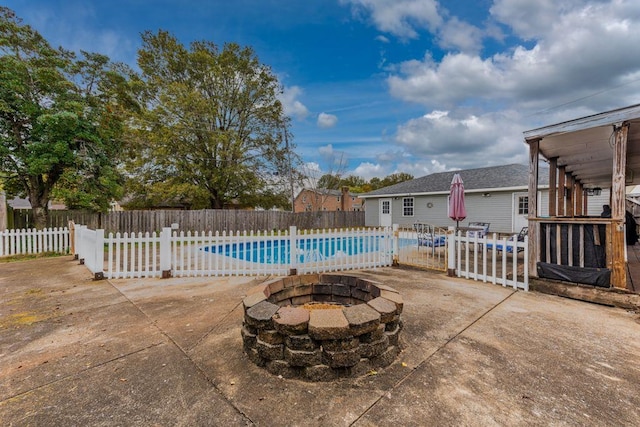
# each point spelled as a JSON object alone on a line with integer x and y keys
{"x": 490, "y": 259}
{"x": 170, "y": 253}
{"x": 422, "y": 245}
{"x": 32, "y": 241}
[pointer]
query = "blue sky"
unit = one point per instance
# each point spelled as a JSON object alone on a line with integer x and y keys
{"x": 384, "y": 86}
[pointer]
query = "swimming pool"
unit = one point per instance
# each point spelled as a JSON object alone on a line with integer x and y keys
{"x": 307, "y": 249}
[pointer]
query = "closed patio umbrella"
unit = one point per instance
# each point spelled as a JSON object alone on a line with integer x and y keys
{"x": 457, "y": 211}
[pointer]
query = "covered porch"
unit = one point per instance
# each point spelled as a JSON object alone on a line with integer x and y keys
{"x": 584, "y": 156}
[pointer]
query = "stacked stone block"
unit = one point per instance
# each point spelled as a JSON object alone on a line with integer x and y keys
{"x": 321, "y": 344}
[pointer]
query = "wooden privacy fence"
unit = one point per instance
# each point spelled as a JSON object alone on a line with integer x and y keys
{"x": 180, "y": 254}
{"x": 22, "y": 242}
{"x": 196, "y": 220}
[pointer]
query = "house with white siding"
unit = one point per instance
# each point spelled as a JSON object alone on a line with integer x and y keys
{"x": 497, "y": 195}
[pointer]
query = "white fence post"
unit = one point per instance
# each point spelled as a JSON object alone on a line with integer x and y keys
{"x": 165, "y": 252}
{"x": 82, "y": 249}
{"x": 293, "y": 253}
{"x": 77, "y": 247}
{"x": 72, "y": 238}
{"x": 98, "y": 273}
{"x": 526, "y": 262}
{"x": 396, "y": 245}
{"x": 451, "y": 251}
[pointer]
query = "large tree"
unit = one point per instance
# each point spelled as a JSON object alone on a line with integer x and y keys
{"x": 213, "y": 131}
{"x": 395, "y": 178}
{"x": 60, "y": 121}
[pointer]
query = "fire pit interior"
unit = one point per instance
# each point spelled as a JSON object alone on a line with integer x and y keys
{"x": 293, "y": 328}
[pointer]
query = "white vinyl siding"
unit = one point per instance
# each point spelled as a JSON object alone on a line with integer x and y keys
{"x": 496, "y": 208}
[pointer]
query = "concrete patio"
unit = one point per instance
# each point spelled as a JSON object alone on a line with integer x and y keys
{"x": 169, "y": 352}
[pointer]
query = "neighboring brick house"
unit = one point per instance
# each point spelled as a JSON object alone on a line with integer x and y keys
{"x": 322, "y": 199}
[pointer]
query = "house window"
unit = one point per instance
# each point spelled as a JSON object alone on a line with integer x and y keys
{"x": 523, "y": 205}
{"x": 407, "y": 206}
{"x": 386, "y": 207}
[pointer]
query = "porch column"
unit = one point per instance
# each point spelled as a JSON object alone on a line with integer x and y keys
{"x": 534, "y": 241}
{"x": 578, "y": 197}
{"x": 553, "y": 186}
{"x": 561, "y": 190}
{"x": 618, "y": 273}
{"x": 570, "y": 180}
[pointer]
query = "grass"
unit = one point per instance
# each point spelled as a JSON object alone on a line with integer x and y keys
{"x": 27, "y": 257}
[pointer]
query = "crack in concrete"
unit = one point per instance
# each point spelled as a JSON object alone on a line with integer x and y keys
{"x": 184, "y": 352}
{"x": 423, "y": 362}
{"x": 81, "y": 371}
{"x": 256, "y": 282}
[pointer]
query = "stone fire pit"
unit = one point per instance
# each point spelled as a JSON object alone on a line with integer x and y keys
{"x": 320, "y": 327}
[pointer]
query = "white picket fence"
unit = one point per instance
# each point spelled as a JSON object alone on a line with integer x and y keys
{"x": 32, "y": 241}
{"x": 227, "y": 254}
{"x": 490, "y": 259}
{"x": 169, "y": 253}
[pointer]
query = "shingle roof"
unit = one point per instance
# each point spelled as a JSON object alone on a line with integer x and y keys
{"x": 506, "y": 176}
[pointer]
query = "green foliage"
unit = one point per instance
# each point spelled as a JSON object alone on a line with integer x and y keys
{"x": 329, "y": 181}
{"x": 212, "y": 132}
{"x": 395, "y": 178}
{"x": 61, "y": 121}
{"x": 358, "y": 184}
{"x": 354, "y": 181}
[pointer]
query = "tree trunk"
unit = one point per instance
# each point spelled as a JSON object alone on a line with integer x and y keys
{"x": 39, "y": 209}
{"x": 39, "y": 190}
{"x": 40, "y": 216}
{"x": 215, "y": 201}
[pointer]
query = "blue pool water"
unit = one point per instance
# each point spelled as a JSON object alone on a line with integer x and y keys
{"x": 308, "y": 250}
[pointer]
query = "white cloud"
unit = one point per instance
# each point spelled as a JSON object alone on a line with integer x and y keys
{"x": 390, "y": 156}
{"x": 455, "y": 78}
{"x": 327, "y": 120}
{"x": 533, "y": 19}
{"x": 421, "y": 168}
{"x": 584, "y": 49}
{"x": 292, "y": 106}
{"x": 464, "y": 141}
{"x": 369, "y": 170}
{"x": 406, "y": 19}
{"x": 460, "y": 35}
{"x": 326, "y": 150}
{"x": 417, "y": 168}
{"x": 312, "y": 170}
{"x": 477, "y": 98}
{"x": 402, "y": 18}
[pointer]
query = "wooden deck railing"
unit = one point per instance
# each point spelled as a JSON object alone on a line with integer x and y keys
{"x": 579, "y": 245}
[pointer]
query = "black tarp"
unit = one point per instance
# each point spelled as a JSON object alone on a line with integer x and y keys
{"x": 585, "y": 275}
{"x": 593, "y": 250}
